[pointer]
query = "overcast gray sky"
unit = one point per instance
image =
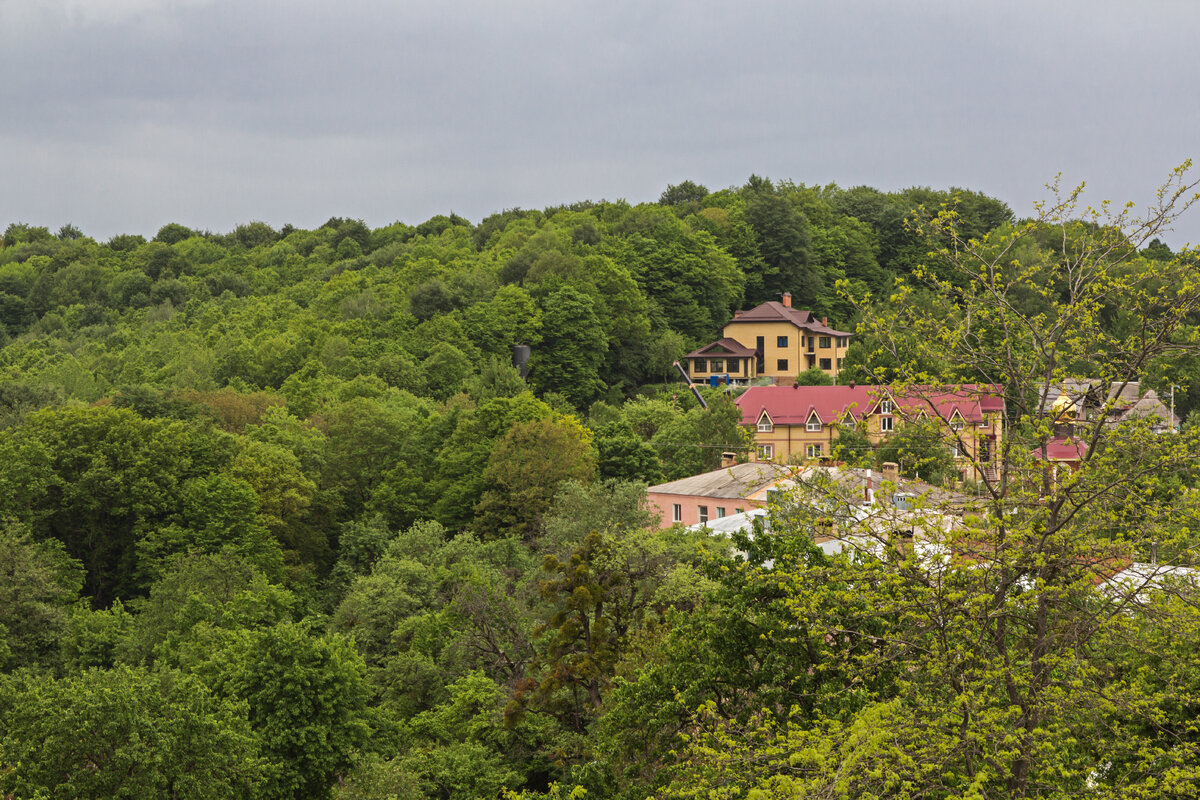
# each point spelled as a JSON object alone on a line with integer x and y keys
{"x": 122, "y": 115}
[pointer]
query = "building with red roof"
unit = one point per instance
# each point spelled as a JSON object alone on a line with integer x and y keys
{"x": 772, "y": 340}
{"x": 793, "y": 423}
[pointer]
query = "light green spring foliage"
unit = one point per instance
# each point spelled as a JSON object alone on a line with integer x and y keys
{"x": 1016, "y": 666}
{"x": 331, "y": 544}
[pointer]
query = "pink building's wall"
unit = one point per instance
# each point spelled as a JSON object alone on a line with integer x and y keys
{"x": 689, "y": 507}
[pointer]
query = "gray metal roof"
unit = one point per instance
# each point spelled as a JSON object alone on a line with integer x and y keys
{"x": 739, "y": 480}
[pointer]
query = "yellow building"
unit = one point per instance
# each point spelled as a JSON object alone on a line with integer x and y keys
{"x": 802, "y": 423}
{"x": 772, "y": 340}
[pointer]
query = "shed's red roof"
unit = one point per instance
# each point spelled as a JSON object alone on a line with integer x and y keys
{"x": 1063, "y": 448}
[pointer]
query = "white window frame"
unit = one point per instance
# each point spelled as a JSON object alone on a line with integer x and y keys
{"x": 702, "y": 514}
{"x": 814, "y": 424}
{"x": 885, "y": 424}
{"x": 885, "y": 406}
{"x": 676, "y": 512}
{"x": 767, "y": 426}
{"x": 766, "y": 451}
{"x": 813, "y": 451}
{"x": 720, "y": 511}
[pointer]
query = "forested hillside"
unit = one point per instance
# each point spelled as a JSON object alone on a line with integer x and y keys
{"x": 282, "y": 520}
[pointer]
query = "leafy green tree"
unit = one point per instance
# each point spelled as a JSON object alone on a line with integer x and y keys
{"x": 693, "y": 442}
{"x": 784, "y": 242}
{"x": 853, "y": 447}
{"x": 198, "y": 597}
{"x": 573, "y": 348}
{"x": 100, "y": 479}
{"x": 814, "y": 376}
{"x": 126, "y": 733}
{"x": 601, "y": 593}
{"x": 38, "y": 583}
{"x": 922, "y": 451}
{"x": 525, "y": 469}
{"x": 306, "y": 697}
{"x": 173, "y": 233}
{"x": 687, "y": 193}
{"x": 623, "y": 455}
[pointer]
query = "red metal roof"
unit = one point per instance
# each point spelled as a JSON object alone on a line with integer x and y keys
{"x": 792, "y": 405}
{"x": 1063, "y": 448}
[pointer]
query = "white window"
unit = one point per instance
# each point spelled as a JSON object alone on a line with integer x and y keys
{"x": 814, "y": 424}
{"x": 720, "y": 511}
{"x": 885, "y": 424}
{"x": 766, "y": 451}
{"x": 885, "y": 406}
{"x": 956, "y": 423}
{"x": 703, "y": 513}
{"x": 676, "y": 513}
{"x": 764, "y": 424}
{"x": 813, "y": 451}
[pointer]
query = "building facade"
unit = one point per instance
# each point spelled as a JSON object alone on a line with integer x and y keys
{"x": 772, "y": 340}
{"x": 802, "y": 423}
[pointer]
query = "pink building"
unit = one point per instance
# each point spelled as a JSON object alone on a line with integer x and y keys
{"x": 716, "y": 494}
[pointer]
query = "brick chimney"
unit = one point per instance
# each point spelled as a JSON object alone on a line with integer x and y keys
{"x": 891, "y": 471}
{"x": 787, "y": 299}
{"x": 825, "y": 321}
{"x": 738, "y": 313}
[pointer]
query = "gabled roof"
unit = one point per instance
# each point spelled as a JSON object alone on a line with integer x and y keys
{"x": 740, "y": 480}
{"x": 1149, "y": 405}
{"x": 774, "y": 311}
{"x": 791, "y": 405}
{"x": 723, "y": 347}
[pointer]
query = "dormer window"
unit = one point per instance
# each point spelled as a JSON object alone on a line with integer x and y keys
{"x": 764, "y": 424}
{"x": 956, "y": 422}
{"x": 885, "y": 406}
{"x": 814, "y": 423}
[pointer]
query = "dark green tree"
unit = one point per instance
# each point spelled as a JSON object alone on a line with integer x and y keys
{"x": 573, "y": 348}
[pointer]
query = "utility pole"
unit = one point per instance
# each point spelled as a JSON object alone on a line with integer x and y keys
{"x": 1174, "y": 429}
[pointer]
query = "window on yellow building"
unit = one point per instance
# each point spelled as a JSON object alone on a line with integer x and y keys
{"x": 825, "y": 342}
{"x": 826, "y": 363}
{"x": 885, "y": 424}
{"x": 716, "y": 365}
{"x": 699, "y": 365}
{"x": 813, "y": 451}
{"x": 781, "y": 365}
{"x": 781, "y": 341}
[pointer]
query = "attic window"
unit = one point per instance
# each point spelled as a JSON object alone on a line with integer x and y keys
{"x": 814, "y": 424}
{"x": 956, "y": 423}
{"x": 764, "y": 424}
{"x": 885, "y": 406}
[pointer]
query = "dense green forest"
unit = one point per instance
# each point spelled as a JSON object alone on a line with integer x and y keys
{"x": 281, "y": 519}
